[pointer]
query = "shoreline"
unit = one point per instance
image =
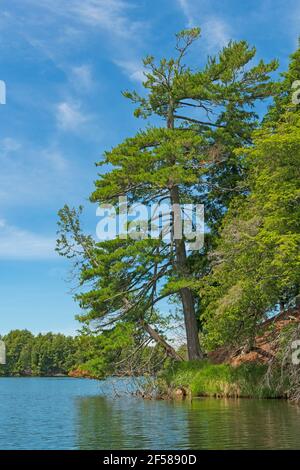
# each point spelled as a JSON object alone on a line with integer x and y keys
{"x": 197, "y": 379}
{"x": 176, "y": 393}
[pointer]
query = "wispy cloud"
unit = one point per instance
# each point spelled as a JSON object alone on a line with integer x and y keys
{"x": 132, "y": 69}
{"x": 187, "y": 11}
{"x": 111, "y": 15}
{"x": 216, "y": 32}
{"x": 69, "y": 116}
{"x": 79, "y": 19}
{"x": 19, "y": 244}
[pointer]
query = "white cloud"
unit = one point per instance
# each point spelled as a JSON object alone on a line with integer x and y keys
{"x": 215, "y": 31}
{"x": 110, "y": 16}
{"x": 187, "y": 11}
{"x": 79, "y": 20}
{"x": 132, "y": 69}
{"x": 16, "y": 243}
{"x": 68, "y": 24}
{"x": 69, "y": 116}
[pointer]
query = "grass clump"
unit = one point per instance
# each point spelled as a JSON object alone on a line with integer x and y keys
{"x": 201, "y": 378}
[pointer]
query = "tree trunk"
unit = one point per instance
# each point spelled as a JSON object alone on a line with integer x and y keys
{"x": 160, "y": 340}
{"x": 156, "y": 336}
{"x": 187, "y": 298}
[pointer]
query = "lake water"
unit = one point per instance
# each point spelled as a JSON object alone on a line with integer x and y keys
{"x": 65, "y": 413}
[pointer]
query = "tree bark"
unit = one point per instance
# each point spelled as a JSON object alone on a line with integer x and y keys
{"x": 187, "y": 298}
{"x": 170, "y": 351}
{"x": 160, "y": 340}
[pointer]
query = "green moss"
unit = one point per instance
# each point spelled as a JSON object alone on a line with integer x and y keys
{"x": 202, "y": 378}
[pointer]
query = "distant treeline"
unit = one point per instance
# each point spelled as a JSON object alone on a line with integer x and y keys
{"x": 84, "y": 355}
{"x": 45, "y": 354}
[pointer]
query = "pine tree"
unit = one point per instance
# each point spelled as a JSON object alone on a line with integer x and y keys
{"x": 206, "y": 115}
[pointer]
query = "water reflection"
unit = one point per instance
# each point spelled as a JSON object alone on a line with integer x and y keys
{"x": 126, "y": 423}
{"x": 244, "y": 424}
{"x": 62, "y": 413}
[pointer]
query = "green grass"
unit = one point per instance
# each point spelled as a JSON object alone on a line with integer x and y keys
{"x": 201, "y": 378}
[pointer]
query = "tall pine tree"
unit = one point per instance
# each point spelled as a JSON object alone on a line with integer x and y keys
{"x": 206, "y": 113}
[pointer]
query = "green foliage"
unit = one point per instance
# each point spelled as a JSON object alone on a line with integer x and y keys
{"x": 115, "y": 351}
{"x": 47, "y": 354}
{"x": 18, "y": 351}
{"x": 221, "y": 380}
{"x": 209, "y": 148}
{"x": 257, "y": 258}
{"x": 104, "y": 352}
{"x": 206, "y": 113}
{"x": 121, "y": 350}
{"x": 284, "y": 90}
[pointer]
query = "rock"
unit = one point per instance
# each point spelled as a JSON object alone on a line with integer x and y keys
{"x": 180, "y": 393}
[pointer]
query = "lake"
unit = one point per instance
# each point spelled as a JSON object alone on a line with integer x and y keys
{"x": 65, "y": 413}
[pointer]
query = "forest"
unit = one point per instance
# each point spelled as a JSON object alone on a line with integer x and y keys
{"x": 225, "y": 135}
{"x": 55, "y": 354}
{"x": 41, "y": 355}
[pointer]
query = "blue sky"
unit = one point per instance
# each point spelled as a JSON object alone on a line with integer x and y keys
{"x": 65, "y": 63}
